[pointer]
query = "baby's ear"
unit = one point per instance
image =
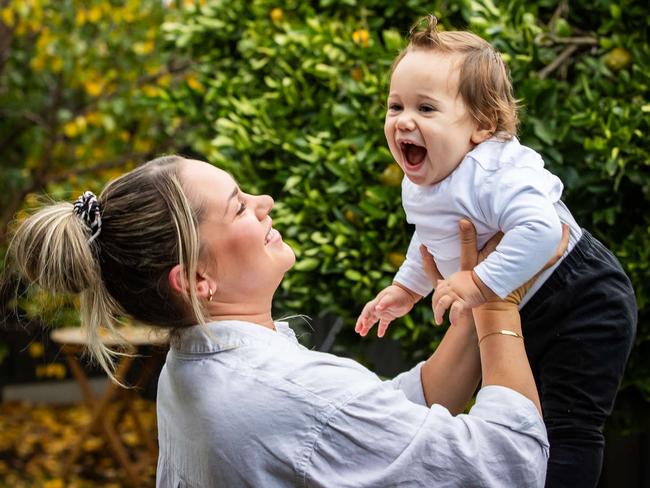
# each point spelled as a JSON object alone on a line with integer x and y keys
{"x": 482, "y": 134}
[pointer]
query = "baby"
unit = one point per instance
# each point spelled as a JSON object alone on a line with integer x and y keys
{"x": 451, "y": 124}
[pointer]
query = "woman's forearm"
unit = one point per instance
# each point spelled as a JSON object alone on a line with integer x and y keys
{"x": 450, "y": 376}
{"x": 503, "y": 357}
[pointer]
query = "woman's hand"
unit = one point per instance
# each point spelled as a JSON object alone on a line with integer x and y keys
{"x": 469, "y": 258}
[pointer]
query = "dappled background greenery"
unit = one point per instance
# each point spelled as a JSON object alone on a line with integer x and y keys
{"x": 293, "y": 101}
{"x": 290, "y": 98}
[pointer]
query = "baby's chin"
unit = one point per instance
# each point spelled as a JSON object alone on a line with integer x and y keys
{"x": 421, "y": 179}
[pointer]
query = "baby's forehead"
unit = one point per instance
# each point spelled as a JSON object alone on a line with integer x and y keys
{"x": 422, "y": 69}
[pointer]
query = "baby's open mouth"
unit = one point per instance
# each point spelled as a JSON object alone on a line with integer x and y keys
{"x": 413, "y": 153}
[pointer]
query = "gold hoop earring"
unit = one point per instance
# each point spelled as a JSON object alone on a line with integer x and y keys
{"x": 210, "y": 294}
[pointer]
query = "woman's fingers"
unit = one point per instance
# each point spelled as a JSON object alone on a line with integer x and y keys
{"x": 468, "y": 246}
{"x": 489, "y": 246}
{"x": 429, "y": 266}
{"x": 561, "y": 248}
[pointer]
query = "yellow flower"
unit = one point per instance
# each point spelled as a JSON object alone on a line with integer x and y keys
{"x": 277, "y": 14}
{"x": 164, "y": 80}
{"x": 143, "y": 145}
{"x": 194, "y": 83}
{"x": 93, "y": 87}
{"x": 396, "y": 258}
{"x": 70, "y": 129}
{"x": 361, "y": 37}
{"x": 142, "y": 48}
{"x": 94, "y": 14}
{"x": 38, "y": 63}
{"x": 57, "y": 64}
{"x": 81, "y": 123}
{"x": 150, "y": 90}
{"x": 54, "y": 483}
{"x": 618, "y": 58}
{"x": 392, "y": 175}
{"x": 92, "y": 444}
{"x": 7, "y": 16}
{"x": 35, "y": 348}
{"x": 93, "y": 118}
{"x": 80, "y": 18}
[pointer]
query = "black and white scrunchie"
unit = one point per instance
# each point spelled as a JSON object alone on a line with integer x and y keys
{"x": 87, "y": 208}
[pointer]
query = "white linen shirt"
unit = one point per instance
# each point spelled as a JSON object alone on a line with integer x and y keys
{"x": 499, "y": 186}
{"x": 244, "y": 405}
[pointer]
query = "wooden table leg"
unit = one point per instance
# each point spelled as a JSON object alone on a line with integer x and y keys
{"x": 98, "y": 418}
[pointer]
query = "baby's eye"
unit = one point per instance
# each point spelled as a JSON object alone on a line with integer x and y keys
{"x": 427, "y": 108}
{"x": 394, "y": 107}
{"x": 242, "y": 208}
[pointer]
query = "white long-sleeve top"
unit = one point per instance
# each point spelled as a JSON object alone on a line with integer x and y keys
{"x": 499, "y": 186}
{"x": 243, "y": 405}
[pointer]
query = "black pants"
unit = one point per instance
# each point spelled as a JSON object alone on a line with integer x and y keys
{"x": 579, "y": 329}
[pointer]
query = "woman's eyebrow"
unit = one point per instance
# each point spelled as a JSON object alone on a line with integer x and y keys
{"x": 234, "y": 193}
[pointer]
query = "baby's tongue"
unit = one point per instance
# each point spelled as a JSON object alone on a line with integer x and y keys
{"x": 415, "y": 154}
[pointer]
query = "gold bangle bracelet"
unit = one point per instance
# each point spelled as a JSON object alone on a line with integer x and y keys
{"x": 504, "y": 332}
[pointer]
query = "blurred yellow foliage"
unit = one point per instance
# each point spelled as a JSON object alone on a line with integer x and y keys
{"x": 36, "y": 349}
{"x": 7, "y": 16}
{"x": 93, "y": 86}
{"x": 277, "y": 14}
{"x": 51, "y": 370}
{"x": 361, "y": 37}
{"x": 194, "y": 83}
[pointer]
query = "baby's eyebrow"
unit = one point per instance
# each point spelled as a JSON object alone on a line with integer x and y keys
{"x": 428, "y": 97}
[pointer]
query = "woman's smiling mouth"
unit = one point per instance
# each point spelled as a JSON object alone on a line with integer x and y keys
{"x": 271, "y": 236}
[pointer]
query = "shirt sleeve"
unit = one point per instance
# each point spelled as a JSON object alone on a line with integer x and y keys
{"x": 411, "y": 273}
{"x": 520, "y": 202}
{"x": 380, "y": 438}
{"x": 410, "y": 383}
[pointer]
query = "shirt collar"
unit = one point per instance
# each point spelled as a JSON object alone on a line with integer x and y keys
{"x": 229, "y": 334}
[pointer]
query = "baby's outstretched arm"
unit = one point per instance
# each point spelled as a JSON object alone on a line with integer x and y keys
{"x": 392, "y": 302}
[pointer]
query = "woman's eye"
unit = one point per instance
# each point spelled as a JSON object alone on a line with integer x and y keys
{"x": 242, "y": 207}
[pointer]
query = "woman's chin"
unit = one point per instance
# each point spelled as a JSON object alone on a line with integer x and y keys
{"x": 291, "y": 257}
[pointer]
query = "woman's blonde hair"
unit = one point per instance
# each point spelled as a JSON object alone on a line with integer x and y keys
{"x": 484, "y": 81}
{"x": 147, "y": 226}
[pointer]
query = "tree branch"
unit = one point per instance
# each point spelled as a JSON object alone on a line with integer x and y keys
{"x": 562, "y": 57}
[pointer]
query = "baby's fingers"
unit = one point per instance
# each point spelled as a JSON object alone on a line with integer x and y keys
{"x": 440, "y": 307}
{"x": 383, "y": 325}
{"x": 366, "y": 319}
{"x": 455, "y": 312}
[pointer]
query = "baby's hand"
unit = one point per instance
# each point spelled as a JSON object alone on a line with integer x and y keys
{"x": 390, "y": 303}
{"x": 459, "y": 293}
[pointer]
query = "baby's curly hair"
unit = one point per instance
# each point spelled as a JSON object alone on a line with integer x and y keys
{"x": 484, "y": 81}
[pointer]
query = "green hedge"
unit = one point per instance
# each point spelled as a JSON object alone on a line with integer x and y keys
{"x": 293, "y": 104}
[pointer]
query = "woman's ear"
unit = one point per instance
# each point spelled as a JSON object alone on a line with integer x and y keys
{"x": 205, "y": 286}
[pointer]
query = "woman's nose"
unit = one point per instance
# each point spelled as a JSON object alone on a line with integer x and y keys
{"x": 263, "y": 205}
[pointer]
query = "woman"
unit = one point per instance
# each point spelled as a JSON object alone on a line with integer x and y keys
{"x": 176, "y": 243}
